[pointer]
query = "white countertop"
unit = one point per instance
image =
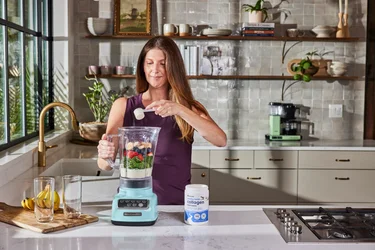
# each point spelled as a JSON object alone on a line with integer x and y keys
{"x": 229, "y": 227}
{"x": 349, "y": 145}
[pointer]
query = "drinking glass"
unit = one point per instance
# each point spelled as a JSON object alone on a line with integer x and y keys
{"x": 72, "y": 196}
{"x": 44, "y": 188}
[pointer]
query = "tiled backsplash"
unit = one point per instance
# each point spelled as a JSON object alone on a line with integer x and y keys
{"x": 240, "y": 107}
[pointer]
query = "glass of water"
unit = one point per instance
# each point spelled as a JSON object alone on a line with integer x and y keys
{"x": 72, "y": 196}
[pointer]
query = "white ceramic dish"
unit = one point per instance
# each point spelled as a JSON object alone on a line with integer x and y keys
{"x": 216, "y": 32}
{"x": 323, "y": 31}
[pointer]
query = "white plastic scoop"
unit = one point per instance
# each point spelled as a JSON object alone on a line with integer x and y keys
{"x": 139, "y": 113}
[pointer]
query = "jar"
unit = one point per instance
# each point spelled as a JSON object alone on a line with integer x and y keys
{"x": 196, "y": 204}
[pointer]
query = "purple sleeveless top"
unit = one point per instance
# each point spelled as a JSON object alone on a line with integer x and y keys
{"x": 172, "y": 163}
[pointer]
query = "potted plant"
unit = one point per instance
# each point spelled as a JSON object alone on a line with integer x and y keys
{"x": 257, "y": 13}
{"x": 100, "y": 107}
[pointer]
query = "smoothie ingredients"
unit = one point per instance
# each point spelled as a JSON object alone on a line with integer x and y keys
{"x": 138, "y": 155}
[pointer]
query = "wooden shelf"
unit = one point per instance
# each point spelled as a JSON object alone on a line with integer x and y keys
{"x": 307, "y": 39}
{"x": 241, "y": 77}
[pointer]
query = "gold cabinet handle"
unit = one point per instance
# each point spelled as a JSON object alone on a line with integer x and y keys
{"x": 271, "y": 159}
{"x": 343, "y": 160}
{"x": 232, "y": 159}
{"x": 203, "y": 175}
{"x": 254, "y": 178}
{"x": 342, "y": 178}
{"x": 52, "y": 146}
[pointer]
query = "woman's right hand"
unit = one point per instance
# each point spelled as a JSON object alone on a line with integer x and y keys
{"x": 106, "y": 149}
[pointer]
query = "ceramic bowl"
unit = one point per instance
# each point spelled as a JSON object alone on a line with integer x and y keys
{"x": 323, "y": 31}
{"x": 97, "y": 26}
{"x": 216, "y": 32}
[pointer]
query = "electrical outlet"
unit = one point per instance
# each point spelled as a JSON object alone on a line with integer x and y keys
{"x": 335, "y": 110}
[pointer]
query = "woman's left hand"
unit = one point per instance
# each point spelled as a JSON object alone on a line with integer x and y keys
{"x": 165, "y": 108}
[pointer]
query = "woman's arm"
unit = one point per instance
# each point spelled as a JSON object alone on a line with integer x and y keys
{"x": 107, "y": 149}
{"x": 204, "y": 124}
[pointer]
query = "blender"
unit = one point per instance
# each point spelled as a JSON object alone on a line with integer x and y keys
{"x": 136, "y": 204}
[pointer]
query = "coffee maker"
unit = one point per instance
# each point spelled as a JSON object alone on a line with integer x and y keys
{"x": 136, "y": 204}
{"x": 283, "y": 125}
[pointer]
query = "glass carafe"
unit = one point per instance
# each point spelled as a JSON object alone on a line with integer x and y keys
{"x": 137, "y": 148}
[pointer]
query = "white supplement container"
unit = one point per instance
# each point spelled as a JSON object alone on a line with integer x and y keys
{"x": 196, "y": 204}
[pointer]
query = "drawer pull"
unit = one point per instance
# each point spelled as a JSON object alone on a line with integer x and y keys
{"x": 343, "y": 160}
{"x": 232, "y": 159}
{"x": 203, "y": 175}
{"x": 271, "y": 159}
{"x": 342, "y": 178}
{"x": 254, "y": 178}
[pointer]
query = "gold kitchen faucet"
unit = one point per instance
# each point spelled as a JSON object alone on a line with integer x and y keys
{"x": 42, "y": 148}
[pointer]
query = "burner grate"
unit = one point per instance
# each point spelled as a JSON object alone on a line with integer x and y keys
{"x": 344, "y": 223}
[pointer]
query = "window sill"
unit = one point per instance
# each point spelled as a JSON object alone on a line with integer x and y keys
{"x": 23, "y": 156}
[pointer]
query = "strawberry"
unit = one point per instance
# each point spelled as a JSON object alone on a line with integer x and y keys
{"x": 130, "y": 154}
{"x": 140, "y": 157}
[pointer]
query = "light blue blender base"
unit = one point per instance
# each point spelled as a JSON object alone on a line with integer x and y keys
{"x": 134, "y": 207}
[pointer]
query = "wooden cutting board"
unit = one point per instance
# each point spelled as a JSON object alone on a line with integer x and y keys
{"x": 24, "y": 218}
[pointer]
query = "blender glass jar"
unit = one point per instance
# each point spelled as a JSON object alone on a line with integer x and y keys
{"x": 138, "y": 151}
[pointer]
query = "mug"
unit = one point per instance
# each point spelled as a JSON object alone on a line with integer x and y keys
{"x": 93, "y": 70}
{"x": 294, "y": 32}
{"x": 185, "y": 30}
{"x": 170, "y": 29}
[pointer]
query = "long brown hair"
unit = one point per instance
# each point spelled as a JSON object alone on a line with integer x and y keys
{"x": 178, "y": 85}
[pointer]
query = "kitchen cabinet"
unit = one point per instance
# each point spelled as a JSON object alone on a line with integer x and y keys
{"x": 200, "y": 176}
{"x": 336, "y": 176}
{"x": 200, "y": 160}
{"x": 231, "y": 159}
{"x": 333, "y": 186}
{"x": 276, "y": 159}
{"x": 337, "y": 159}
{"x": 249, "y": 177}
{"x": 247, "y": 186}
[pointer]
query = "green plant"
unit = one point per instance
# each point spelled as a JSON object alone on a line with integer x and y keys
{"x": 95, "y": 98}
{"x": 257, "y": 7}
{"x": 305, "y": 68}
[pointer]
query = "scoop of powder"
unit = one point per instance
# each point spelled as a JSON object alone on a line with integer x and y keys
{"x": 139, "y": 114}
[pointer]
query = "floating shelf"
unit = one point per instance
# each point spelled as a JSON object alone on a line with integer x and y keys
{"x": 241, "y": 77}
{"x": 307, "y": 39}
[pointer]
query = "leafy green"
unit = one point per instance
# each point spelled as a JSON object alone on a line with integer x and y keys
{"x": 136, "y": 163}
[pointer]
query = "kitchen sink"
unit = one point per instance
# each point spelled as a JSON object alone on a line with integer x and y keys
{"x": 83, "y": 167}
{"x": 97, "y": 185}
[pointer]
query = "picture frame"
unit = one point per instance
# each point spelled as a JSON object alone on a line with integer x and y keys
{"x": 132, "y": 17}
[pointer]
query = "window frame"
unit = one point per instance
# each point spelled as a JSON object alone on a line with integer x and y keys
{"x": 40, "y": 38}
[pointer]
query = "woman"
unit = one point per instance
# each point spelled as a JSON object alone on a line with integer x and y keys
{"x": 163, "y": 86}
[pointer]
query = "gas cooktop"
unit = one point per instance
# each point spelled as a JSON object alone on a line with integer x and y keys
{"x": 324, "y": 224}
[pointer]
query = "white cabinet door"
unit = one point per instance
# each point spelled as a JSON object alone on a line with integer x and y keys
{"x": 248, "y": 186}
{"x": 200, "y": 159}
{"x": 337, "y": 159}
{"x": 231, "y": 159}
{"x": 200, "y": 176}
{"x": 331, "y": 186}
{"x": 275, "y": 159}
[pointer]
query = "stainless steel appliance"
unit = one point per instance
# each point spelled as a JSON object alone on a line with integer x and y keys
{"x": 302, "y": 225}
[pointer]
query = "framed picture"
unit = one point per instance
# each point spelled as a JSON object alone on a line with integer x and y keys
{"x": 132, "y": 17}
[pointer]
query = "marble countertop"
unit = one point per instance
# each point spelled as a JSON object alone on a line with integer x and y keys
{"x": 229, "y": 227}
{"x": 350, "y": 145}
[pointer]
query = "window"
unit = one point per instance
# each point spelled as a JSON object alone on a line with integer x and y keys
{"x": 25, "y": 68}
